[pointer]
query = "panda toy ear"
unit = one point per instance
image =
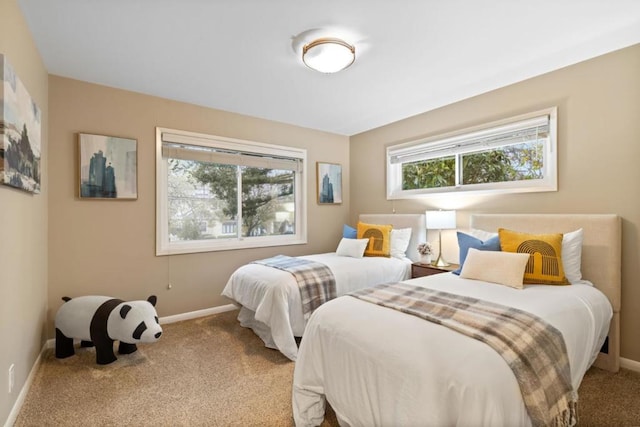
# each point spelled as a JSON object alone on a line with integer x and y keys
{"x": 152, "y": 299}
{"x": 124, "y": 310}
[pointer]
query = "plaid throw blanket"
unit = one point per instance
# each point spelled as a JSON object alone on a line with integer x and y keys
{"x": 315, "y": 280}
{"x": 532, "y": 348}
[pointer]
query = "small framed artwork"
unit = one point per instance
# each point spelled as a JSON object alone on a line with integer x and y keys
{"x": 329, "y": 179}
{"x": 108, "y": 167}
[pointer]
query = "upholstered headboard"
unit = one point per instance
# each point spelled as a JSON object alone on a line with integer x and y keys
{"x": 601, "y": 257}
{"x": 414, "y": 221}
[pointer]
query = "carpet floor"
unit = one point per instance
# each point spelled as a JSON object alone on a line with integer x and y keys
{"x": 212, "y": 372}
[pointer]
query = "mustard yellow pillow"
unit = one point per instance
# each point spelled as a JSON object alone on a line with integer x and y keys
{"x": 545, "y": 255}
{"x": 379, "y": 238}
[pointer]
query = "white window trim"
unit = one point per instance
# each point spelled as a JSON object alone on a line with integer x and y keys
{"x": 444, "y": 141}
{"x": 164, "y": 247}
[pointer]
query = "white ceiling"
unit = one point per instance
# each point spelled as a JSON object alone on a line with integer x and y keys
{"x": 238, "y": 55}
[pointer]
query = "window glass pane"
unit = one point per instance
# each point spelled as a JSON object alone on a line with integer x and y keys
{"x": 517, "y": 162}
{"x": 199, "y": 210}
{"x": 268, "y": 202}
{"x": 433, "y": 173}
{"x": 217, "y": 194}
{"x": 512, "y": 155}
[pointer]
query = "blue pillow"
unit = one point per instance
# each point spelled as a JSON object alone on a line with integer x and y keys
{"x": 465, "y": 242}
{"x": 349, "y": 232}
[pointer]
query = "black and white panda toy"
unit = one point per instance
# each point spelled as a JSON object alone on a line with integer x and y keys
{"x": 100, "y": 320}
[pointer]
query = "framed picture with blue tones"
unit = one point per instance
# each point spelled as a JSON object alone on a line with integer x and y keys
{"x": 108, "y": 167}
{"x": 20, "y": 133}
{"x": 329, "y": 179}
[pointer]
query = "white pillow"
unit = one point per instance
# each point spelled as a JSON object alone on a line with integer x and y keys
{"x": 571, "y": 252}
{"x": 572, "y": 255}
{"x": 353, "y": 248}
{"x": 503, "y": 268}
{"x": 481, "y": 234}
{"x": 400, "y": 242}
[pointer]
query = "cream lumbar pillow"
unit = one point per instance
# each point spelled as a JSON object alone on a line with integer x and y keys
{"x": 353, "y": 248}
{"x": 503, "y": 268}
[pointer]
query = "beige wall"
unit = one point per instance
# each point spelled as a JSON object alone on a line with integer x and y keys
{"x": 55, "y": 244}
{"x": 108, "y": 247}
{"x": 598, "y": 155}
{"x": 23, "y": 227}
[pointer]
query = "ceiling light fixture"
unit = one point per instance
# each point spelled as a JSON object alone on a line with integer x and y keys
{"x": 328, "y": 55}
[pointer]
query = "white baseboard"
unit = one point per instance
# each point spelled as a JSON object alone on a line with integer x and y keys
{"x": 13, "y": 415}
{"x": 198, "y": 313}
{"x": 629, "y": 364}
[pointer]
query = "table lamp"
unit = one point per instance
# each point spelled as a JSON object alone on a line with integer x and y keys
{"x": 441, "y": 220}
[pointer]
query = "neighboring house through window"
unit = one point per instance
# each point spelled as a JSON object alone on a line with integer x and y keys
{"x": 216, "y": 193}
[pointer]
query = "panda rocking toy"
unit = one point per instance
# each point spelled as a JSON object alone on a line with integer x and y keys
{"x": 99, "y": 321}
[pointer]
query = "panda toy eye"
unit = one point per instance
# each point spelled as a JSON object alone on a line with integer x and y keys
{"x": 157, "y": 321}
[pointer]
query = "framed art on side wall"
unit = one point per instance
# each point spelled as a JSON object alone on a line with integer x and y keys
{"x": 20, "y": 133}
{"x": 108, "y": 167}
{"x": 329, "y": 183}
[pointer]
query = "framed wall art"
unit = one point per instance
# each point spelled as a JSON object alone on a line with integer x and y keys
{"x": 329, "y": 179}
{"x": 20, "y": 133}
{"x": 108, "y": 167}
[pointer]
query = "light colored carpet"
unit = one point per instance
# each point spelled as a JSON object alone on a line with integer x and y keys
{"x": 212, "y": 372}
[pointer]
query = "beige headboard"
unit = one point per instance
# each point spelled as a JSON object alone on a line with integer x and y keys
{"x": 414, "y": 221}
{"x": 601, "y": 257}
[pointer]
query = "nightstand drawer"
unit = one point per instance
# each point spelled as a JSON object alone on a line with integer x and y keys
{"x": 421, "y": 270}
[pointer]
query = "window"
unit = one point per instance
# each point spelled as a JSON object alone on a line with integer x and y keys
{"x": 513, "y": 155}
{"x": 217, "y": 193}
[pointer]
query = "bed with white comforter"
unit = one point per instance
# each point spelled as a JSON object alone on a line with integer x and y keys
{"x": 269, "y": 298}
{"x": 377, "y": 366}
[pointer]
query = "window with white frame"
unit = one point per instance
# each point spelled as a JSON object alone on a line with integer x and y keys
{"x": 216, "y": 193}
{"x": 513, "y": 155}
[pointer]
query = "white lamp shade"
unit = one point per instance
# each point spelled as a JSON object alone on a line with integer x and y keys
{"x": 441, "y": 220}
{"x": 328, "y": 55}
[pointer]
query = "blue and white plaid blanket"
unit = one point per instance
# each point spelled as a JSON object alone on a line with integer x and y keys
{"x": 315, "y": 280}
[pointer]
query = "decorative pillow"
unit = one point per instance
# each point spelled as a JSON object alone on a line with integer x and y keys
{"x": 349, "y": 232}
{"x": 400, "y": 242}
{"x": 353, "y": 248}
{"x": 379, "y": 238}
{"x": 503, "y": 268}
{"x": 572, "y": 255}
{"x": 482, "y": 234}
{"x": 465, "y": 242}
{"x": 545, "y": 255}
{"x": 571, "y": 251}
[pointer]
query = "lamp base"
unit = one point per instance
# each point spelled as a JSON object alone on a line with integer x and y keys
{"x": 440, "y": 262}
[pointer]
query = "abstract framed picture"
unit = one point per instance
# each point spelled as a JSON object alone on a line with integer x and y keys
{"x": 329, "y": 179}
{"x": 108, "y": 167}
{"x": 20, "y": 133}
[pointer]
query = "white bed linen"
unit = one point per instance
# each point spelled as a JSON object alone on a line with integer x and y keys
{"x": 270, "y": 298}
{"x": 378, "y": 366}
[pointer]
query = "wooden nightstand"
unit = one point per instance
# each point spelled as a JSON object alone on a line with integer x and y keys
{"x": 420, "y": 270}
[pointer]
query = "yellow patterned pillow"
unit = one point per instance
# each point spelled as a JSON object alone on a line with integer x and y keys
{"x": 545, "y": 255}
{"x": 379, "y": 238}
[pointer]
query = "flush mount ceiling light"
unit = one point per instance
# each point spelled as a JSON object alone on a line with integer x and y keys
{"x": 328, "y": 55}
